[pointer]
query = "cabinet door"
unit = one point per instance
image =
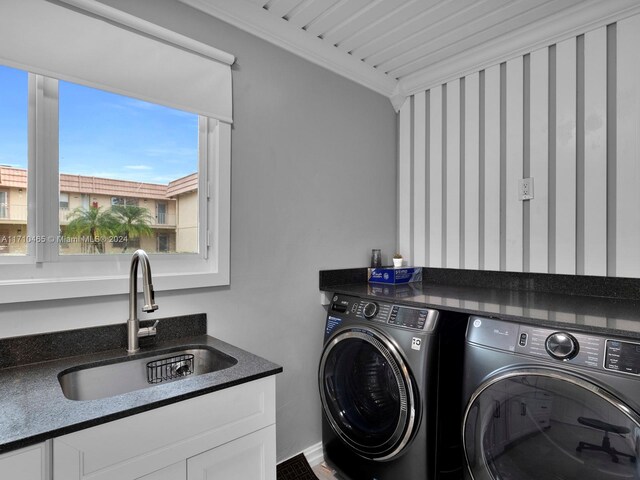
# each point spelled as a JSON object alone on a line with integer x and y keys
{"x": 177, "y": 471}
{"x": 252, "y": 457}
{"x": 31, "y": 463}
{"x": 131, "y": 447}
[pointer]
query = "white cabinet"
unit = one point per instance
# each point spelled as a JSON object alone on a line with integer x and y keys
{"x": 30, "y": 463}
{"x": 153, "y": 444}
{"x": 250, "y": 457}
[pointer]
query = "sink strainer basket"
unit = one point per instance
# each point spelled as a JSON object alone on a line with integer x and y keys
{"x": 169, "y": 368}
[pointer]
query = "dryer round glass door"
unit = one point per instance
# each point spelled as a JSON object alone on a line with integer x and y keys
{"x": 367, "y": 393}
{"x": 542, "y": 423}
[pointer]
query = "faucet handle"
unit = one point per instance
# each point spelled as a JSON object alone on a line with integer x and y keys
{"x": 149, "y": 331}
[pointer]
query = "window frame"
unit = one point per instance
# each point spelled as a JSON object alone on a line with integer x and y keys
{"x": 65, "y": 207}
{"x": 125, "y": 201}
{"x": 43, "y": 273}
{"x": 4, "y": 206}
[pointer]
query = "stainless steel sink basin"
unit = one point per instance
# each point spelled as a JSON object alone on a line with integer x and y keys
{"x": 91, "y": 382}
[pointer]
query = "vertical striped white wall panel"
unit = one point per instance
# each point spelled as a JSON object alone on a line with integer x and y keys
{"x": 404, "y": 181}
{"x": 539, "y": 161}
{"x": 452, "y": 207}
{"x": 514, "y": 164}
{"x": 419, "y": 178}
{"x": 595, "y": 152}
{"x": 491, "y": 251}
{"x": 627, "y": 233}
{"x": 565, "y": 206}
{"x": 436, "y": 213}
{"x": 459, "y": 168}
{"x": 472, "y": 171}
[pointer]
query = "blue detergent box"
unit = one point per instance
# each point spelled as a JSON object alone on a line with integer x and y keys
{"x": 395, "y": 275}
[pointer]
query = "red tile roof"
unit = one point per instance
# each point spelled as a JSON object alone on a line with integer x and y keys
{"x": 13, "y": 177}
{"x": 17, "y": 178}
{"x": 183, "y": 185}
{"x": 108, "y": 186}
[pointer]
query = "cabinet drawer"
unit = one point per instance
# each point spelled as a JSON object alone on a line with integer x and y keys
{"x": 137, "y": 445}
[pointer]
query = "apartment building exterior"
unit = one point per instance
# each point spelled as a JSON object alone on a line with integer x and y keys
{"x": 172, "y": 209}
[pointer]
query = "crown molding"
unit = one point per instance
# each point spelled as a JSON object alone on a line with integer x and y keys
{"x": 573, "y": 21}
{"x": 279, "y": 32}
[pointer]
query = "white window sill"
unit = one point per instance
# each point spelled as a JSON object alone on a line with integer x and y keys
{"x": 56, "y": 289}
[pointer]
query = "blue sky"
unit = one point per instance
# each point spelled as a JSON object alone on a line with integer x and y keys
{"x": 103, "y": 134}
{"x": 13, "y": 117}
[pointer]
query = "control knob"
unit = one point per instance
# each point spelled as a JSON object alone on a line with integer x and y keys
{"x": 561, "y": 346}
{"x": 370, "y": 310}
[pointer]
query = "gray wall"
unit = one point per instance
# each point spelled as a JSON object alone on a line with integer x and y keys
{"x": 313, "y": 187}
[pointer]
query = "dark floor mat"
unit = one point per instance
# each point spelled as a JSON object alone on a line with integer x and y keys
{"x": 296, "y": 468}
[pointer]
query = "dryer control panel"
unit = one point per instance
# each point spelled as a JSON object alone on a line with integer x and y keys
{"x": 398, "y": 315}
{"x": 582, "y": 349}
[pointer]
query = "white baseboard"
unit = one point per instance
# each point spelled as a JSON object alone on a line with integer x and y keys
{"x": 314, "y": 454}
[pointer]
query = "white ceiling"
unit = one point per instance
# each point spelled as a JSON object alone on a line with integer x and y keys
{"x": 399, "y": 47}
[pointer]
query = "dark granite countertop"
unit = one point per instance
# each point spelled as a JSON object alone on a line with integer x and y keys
{"x": 34, "y": 408}
{"x": 611, "y": 314}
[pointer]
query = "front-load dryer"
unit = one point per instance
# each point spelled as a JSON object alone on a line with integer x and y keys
{"x": 377, "y": 378}
{"x": 545, "y": 403}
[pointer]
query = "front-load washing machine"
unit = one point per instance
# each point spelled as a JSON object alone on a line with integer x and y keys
{"x": 378, "y": 380}
{"x": 545, "y": 403}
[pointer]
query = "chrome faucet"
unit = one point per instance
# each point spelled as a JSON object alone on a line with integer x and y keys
{"x": 133, "y": 324}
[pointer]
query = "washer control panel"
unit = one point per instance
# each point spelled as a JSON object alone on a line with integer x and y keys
{"x": 622, "y": 357}
{"x": 398, "y": 315}
{"x": 556, "y": 345}
{"x": 409, "y": 317}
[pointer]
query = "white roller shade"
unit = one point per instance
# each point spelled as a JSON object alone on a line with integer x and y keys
{"x": 49, "y": 39}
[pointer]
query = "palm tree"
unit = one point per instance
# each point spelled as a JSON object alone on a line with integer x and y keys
{"x": 133, "y": 222}
{"x": 94, "y": 223}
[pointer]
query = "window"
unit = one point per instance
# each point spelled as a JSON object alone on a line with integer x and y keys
{"x": 46, "y": 127}
{"x": 64, "y": 201}
{"x": 161, "y": 213}
{"x": 144, "y": 159}
{"x": 124, "y": 201}
{"x": 163, "y": 242}
{"x": 4, "y": 204}
{"x": 131, "y": 179}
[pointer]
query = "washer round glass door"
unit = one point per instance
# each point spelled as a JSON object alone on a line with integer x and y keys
{"x": 542, "y": 423}
{"x": 367, "y": 393}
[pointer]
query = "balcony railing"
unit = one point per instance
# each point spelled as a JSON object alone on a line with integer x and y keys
{"x": 18, "y": 213}
{"x": 164, "y": 220}
{"x": 161, "y": 220}
{"x": 13, "y": 213}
